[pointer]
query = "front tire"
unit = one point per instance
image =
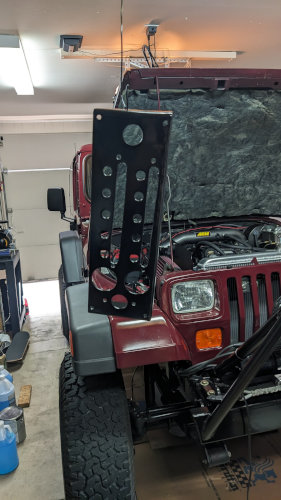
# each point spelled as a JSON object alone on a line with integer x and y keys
{"x": 96, "y": 442}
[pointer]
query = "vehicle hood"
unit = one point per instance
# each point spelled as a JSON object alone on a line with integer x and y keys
{"x": 225, "y": 150}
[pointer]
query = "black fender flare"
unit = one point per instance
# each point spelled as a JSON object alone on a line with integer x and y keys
{"x": 72, "y": 257}
{"x": 90, "y": 335}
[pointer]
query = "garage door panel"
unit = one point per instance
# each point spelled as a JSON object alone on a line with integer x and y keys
{"x": 25, "y": 151}
{"x": 40, "y": 262}
{"x": 28, "y": 190}
{"x": 35, "y": 228}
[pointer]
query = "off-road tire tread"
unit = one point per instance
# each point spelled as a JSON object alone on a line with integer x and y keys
{"x": 64, "y": 316}
{"x": 96, "y": 442}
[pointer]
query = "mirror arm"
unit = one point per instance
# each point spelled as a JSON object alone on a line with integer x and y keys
{"x": 67, "y": 219}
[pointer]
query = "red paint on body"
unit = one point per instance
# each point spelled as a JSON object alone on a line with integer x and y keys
{"x": 139, "y": 342}
{"x": 169, "y": 336}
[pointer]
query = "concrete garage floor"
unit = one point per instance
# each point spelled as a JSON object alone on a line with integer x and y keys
{"x": 39, "y": 475}
{"x": 166, "y": 467}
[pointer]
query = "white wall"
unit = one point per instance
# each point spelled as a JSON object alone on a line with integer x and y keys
{"x": 39, "y": 145}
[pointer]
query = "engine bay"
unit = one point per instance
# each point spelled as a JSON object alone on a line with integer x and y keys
{"x": 203, "y": 247}
{"x": 218, "y": 246}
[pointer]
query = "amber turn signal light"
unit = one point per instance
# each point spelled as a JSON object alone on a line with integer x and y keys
{"x": 206, "y": 339}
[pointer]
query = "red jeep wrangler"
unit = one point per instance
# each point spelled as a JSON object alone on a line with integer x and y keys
{"x": 173, "y": 270}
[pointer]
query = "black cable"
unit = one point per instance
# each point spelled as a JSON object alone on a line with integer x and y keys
{"x": 121, "y": 42}
{"x": 148, "y": 39}
{"x": 226, "y": 351}
{"x": 249, "y": 449}
{"x": 234, "y": 247}
{"x": 152, "y": 56}
{"x": 132, "y": 383}
{"x": 144, "y": 48}
{"x": 91, "y": 53}
{"x": 242, "y": 247}
{"x": 239, "y": 240}
{"x": 212, "y": 245}
{"x": 152, "y": 62}
{"x": 149, "y": 50}
{"x": 127, "y": 97}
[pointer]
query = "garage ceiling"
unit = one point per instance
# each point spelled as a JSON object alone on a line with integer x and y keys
{"x": 72, "y": 87}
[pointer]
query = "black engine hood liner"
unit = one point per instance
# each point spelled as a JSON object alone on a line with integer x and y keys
{"x": 225, "y": 150}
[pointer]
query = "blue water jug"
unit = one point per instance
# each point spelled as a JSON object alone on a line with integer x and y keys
{"x": 7, "y": 374}
{"x": 9, "y": 459}
{"x": 7, "y": 392}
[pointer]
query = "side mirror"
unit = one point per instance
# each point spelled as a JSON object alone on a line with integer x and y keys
{"x": 56, "y": 200}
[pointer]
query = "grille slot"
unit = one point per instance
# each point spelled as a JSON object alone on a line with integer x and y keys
{"x": 256, "y": 301}
{"x": 234, "y": 310}
{"x": 248, "y": 306}
{"x": 262, "y": 298}
{"x": 275, "y": 283}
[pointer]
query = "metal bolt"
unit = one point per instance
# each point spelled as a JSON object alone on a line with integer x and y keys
{"x": 204, "y": 382}
{"x": 211, "y": 392}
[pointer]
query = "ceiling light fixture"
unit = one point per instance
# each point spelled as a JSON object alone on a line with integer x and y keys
{"x": 14, "y": 66}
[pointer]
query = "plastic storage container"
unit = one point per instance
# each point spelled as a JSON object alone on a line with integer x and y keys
{"x": 7, "y": 392}
{"x": 9, "y": 459}
{"x": 7, "y": 374}
{"x": 13, "y": 416}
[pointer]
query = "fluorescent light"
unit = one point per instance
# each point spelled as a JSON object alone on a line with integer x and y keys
{"x": 14, "y": 66}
